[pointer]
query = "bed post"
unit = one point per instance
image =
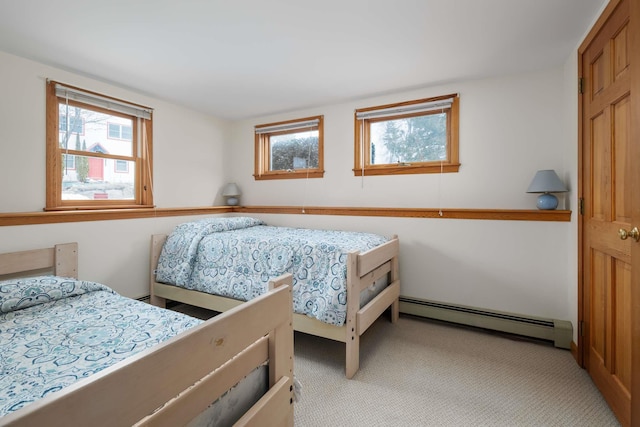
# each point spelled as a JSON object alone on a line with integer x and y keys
{"x": 281, "y": 345}
{"x": 66, "y": 260}
{"x": 395, "y": 275}
{"x": 352, "y": 338}
{"x": 157, "y": 241}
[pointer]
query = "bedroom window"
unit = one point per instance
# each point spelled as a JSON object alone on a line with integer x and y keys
{"x": 411, "y": 137}
{"x": 98, "y": 151}
{"x": 291, "y": 149}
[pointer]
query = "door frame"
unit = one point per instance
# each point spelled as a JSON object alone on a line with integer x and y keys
{"x": 593, "y": 32}
{"x": 634, "y": 52}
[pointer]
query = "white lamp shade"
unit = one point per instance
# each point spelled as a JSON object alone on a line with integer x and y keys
{"x": 546, "y": 181}
{"x": 231, "y": 190}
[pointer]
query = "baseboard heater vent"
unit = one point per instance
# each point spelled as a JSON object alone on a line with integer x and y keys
{"x": 144, "y": 299}
{"x": 560, "y": 332}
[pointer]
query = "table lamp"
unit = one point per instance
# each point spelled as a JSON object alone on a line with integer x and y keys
{"x": 547, "y": 182}
{"x": 231, "y": 192}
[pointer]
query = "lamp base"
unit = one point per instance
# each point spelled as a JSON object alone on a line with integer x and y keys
{"x": 232, "y": 201}
{"x": 547, "y": 202}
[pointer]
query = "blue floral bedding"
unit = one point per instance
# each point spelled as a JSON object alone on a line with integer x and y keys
{"x": 236, "y": 257}
{"x": 55, "y": 331}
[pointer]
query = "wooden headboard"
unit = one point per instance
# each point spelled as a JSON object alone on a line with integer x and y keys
{"x": 60, "y": 260}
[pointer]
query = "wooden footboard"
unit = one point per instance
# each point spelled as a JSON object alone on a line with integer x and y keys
{"x": 171, "y": 383}
{"x": 185, "y": 374}
{"x": 363, "y": 269}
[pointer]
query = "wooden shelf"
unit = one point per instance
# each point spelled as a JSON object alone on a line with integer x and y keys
{"x": 488, "y": 214}
{"x": 31, "y": 218}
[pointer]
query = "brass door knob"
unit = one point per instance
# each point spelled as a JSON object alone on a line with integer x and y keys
{"x": 633, "y": 233}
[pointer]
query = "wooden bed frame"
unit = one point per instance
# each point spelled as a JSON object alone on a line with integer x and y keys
{"x": 182, "y": 375}
{"x": 363, "y": 269}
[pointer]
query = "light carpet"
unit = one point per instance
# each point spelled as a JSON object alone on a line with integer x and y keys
{"x": 422, "y": 373}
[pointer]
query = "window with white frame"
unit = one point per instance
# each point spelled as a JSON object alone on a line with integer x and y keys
{"x": 122, "y": 166}
{"x": 411, "y": 137}
{"x": 69, "y": 161}
{"x": 109, "y": 164}
{"x": 291, "y": 149}
{"x": 120, "y": 131}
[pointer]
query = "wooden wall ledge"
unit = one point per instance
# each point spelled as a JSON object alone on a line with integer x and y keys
{"x": 490, "y": 214}
{"x": 31, "y": 218}
{"x": 53, "y": 217}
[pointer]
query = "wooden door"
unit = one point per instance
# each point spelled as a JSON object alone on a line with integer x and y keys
{"x": 609, "y": 186}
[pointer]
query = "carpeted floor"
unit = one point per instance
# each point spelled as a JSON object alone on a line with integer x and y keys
{"x": 422, "y": 373}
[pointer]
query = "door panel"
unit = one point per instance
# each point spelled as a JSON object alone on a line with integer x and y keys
{"x": 597, "y": 74}
{"x": 599, "y": 275}
{"x": 622, "y": 160}
{"x": 620, "y": 56}
{"x": 621, "y": 368}
{"x": 600, "y": 175}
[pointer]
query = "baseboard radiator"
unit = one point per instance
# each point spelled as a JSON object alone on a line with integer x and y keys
{"x": 560, "y": 332}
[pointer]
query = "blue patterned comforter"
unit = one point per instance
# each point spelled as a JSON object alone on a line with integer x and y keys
{"x": 55, "y": 331}
{"x": 236, "y": 257}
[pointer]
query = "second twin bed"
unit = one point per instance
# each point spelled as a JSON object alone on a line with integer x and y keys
{"x": 217, "y": 263}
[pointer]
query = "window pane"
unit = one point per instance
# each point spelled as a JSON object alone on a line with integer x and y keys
{"x": 96, "y": 178}
{"x": 126, "y": 132}
{"x": 415, "y": 139}
{"x": 294, "y": 151}
{"x": 114, "y": 130}
{"x": 102, "y": 132}
{"x": 74, "y": 124}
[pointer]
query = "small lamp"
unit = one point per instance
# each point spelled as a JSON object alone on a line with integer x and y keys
{"x": 546, "y": 182}
{"x": 231, "y": 192}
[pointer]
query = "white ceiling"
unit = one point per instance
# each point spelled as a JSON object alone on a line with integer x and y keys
{"x": 243, "y": 58}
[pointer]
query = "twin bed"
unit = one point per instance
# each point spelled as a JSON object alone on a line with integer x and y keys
{"x": 76, "y": 353}
{"x": 342, "y": 281}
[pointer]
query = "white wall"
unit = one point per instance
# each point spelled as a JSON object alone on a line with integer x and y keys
{"x": 115, "y": 253}
{"x": 189, "y": 171}
{"x": 509, "y": 128}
